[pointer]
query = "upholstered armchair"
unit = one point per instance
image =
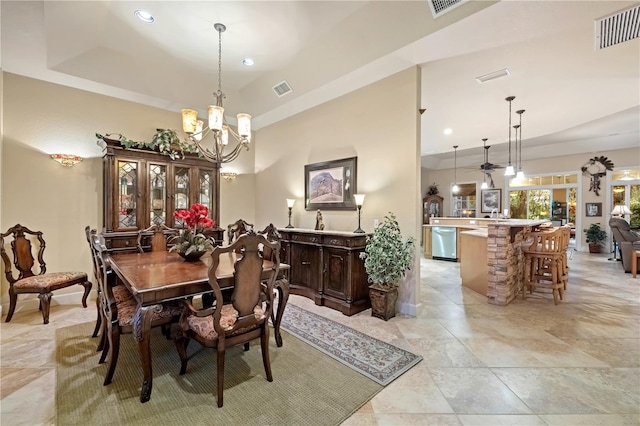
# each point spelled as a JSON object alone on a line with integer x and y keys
{"x": 627, "y": 240}
{"x": 32, "y": 279}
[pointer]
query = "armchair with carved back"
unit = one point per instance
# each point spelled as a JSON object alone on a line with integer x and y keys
{"x": 244, "y": 318}
{"x": 32, "y": 280}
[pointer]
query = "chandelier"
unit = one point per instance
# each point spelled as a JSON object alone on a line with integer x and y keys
{"x": 218, "y": 128}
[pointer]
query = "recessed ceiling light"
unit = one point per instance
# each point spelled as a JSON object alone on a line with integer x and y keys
{"x": 247, "y": 61}
{"x": 144, "y": 16}
{"x": 447, "y": 131}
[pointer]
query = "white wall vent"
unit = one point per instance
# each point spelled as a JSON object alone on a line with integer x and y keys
{"x": 282, "y": 89}
{"x": 440, "y": 7}
{"x": 493, "y": 75}
{"x": 617, "y": 28}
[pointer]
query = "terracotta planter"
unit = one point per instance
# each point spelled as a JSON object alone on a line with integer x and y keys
{"x": 383, "y": 301}
{"x": 594, "y": 248}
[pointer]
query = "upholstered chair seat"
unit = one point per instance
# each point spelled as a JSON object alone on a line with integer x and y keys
{"x": 203, "y": 326}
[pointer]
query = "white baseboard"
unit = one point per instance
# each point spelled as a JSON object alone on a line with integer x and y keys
{"x": 410, "y": 309}
{"x": 30, "y": 302}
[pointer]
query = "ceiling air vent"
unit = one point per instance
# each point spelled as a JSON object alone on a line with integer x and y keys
{"x": 282, "y": 89}
{"x": 440, "y": 7}
{"x": 617, "y": 28}
{"x": 493, "y": 75}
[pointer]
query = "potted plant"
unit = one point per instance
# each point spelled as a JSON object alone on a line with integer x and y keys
{"x": 386, "y": 259}
{"x": 595, "y": 236}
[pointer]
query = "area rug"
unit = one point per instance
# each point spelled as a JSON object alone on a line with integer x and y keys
{"x": 308, "y": 388}
{"x": 377, "y": 360}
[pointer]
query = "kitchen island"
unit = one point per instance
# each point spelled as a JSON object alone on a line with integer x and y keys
{"x": 503, "y": 254}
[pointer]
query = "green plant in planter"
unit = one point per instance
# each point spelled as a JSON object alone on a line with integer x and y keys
{"x": 386, "y": 256}
{"x": 165, "y": 141}
{"x": 594, "y": 234}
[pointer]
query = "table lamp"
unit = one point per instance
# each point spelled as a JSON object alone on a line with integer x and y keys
{"x": 359, "y": 201}
{"x": 290, "y": 203}
{"x": 620, "y": 210}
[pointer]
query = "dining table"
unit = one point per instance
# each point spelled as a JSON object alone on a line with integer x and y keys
{"x": 154, "y": 278}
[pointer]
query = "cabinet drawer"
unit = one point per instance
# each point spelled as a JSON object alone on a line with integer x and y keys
{"x": 305, "y": 238}
{"x": 122, "y": 243}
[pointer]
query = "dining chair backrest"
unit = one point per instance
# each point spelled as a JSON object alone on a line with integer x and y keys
{"x": 160, "y": 239}
{"x": 248, "y": 290}
{"x": 270, "y": 233}
{"x": 238, "y": 228}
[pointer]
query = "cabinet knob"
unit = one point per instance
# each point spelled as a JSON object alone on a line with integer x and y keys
{"x": 126, "y": 243}
{"x": 306, "y": 263}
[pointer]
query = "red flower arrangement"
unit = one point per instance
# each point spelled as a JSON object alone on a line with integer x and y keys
{"x": 191, "y": 238}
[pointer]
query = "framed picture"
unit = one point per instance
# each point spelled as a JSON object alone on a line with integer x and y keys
{"x": 490, "y": 200}
{"x": 593, "y": 209}
{"x": 330, "y": 185}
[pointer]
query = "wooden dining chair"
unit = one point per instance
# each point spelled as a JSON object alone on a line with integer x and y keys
{"x": 89, "y": 233}
{"x": 160, "y": 238}
{"x": 118, "y": 308}
{"x": 281, "y": 285}
{"x": 238, "y": 228}
{"x": 41, "y": 282}
{"x": 244, "y": 318}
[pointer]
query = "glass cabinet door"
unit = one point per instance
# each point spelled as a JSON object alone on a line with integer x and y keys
{"x": 182, "y": 196}
{"x": 205, "y": 189}
{"x": 127, "y": 194}
{"x": 157, "y": 194}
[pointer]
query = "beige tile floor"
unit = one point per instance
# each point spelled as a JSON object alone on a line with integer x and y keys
{"x": 529, "y": 363}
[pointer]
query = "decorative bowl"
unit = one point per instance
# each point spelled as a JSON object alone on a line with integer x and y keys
{"x": 192, "y": 256}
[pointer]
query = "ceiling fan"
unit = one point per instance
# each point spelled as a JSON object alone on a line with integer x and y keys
{"x": 488, "y": 167}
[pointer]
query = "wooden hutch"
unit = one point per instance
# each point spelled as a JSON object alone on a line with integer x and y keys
{"x": 144, "y": 187}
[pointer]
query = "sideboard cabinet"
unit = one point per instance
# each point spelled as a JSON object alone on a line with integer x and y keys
{"x": 144, "y": 187}
{"x": 326, "y": 268}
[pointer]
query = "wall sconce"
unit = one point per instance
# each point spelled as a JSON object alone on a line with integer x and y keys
{"x": 228, "y": 176}
{"x": 66, "y": 160}
{"x": 359, "y": 198}
{"x": 290, "y": 203}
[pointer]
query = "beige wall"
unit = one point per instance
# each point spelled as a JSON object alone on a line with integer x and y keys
{"x": 622, "y": 158}
{"x": 378, "y": 124}
{"x": 42, "y": 118}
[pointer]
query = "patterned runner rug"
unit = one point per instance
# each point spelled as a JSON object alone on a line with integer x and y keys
{"x": 378, "y": 360}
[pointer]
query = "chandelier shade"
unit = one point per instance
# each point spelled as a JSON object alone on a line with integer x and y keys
{"x": 215, "y": 150}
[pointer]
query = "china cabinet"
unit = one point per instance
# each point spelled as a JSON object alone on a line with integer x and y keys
{"x": 144, "y": 187}
{"x": 431, "y": 207}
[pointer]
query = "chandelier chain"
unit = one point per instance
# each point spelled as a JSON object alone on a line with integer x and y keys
{"x": 220, "y": 61}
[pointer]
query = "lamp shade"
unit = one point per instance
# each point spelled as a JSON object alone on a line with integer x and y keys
{"x": 620, "y": 210}
{"x": 67, "y": 160}
{"x": 290, "y": 202}
{"x": 244, "y": 125}
{"x": 359, "y": 198}
{"x": 189, "y": 120}
{"x": 215, "y": 117}
{"x": 509, "y": 171}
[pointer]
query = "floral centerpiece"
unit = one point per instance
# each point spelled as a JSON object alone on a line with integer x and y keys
{"x": 191, "y": 243}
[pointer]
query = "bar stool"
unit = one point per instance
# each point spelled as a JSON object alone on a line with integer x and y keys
{"x": 545, "y": 263}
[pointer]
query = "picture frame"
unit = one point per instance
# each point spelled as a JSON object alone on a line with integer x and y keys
{"x": 490, "y": 200}
{"x": 330, "y": 185}
{"x": 593, "y": 209}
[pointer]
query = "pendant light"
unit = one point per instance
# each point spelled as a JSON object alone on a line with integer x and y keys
{"x": 520, "y": 174}
{"x": 509, "y": 170}
{"x": 455, "y": 188}
{"x": 485, "y": 185}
